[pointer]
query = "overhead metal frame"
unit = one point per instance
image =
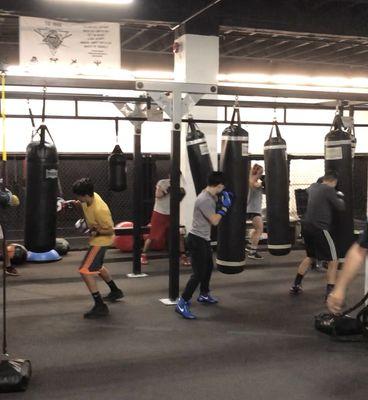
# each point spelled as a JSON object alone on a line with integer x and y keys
{"x": 267, "y": 45}
{"x": 359, "y": 100}
{"x": 108, "y": 84}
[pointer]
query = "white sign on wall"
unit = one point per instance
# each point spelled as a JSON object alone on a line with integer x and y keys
{"x": 49, "y": 42}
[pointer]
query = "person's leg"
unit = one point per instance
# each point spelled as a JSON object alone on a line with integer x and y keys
{"x": 309, "y": 236}
{"x": 90, "y": 282}
{"x": 91, "y": 265}
{"x": 329, "y": 251}
{"x": 99, "y": 309}
{"x": 185, "y": 260}
{"x": 331, "y": 276}
{"x": 144, "y": 258}
{"x": 255, "y": 236}
{"x": 115, "y": 292}
{"x": 205, "y": 296}
{"x": 159, "y": 227}
{"x": 198, "y": 254}
{"x": 196, "y": 247}
{"x": 147, "y": 242}
{"x": 146, "y": 246}
{"x": 302, "y": 270}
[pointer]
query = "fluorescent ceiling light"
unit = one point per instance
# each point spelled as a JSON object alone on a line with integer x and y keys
{"x": 332, "y": 82}
{"x": 116, "y": 2}
{"x": 281, "y": 81}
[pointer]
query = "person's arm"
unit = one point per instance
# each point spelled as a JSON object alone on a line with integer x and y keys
{"x": 254, "y": 182}
{"x": 209, "y": 212}
{"x": 214, "y": 215}
{"x": 353, "y": 261}
{"x": 160, "y": 192}
{"x": 337, "y": 201}
{"x": 104, "y": 226}
{"x": 95, "y": 231}
{"x": 215, "y": 219}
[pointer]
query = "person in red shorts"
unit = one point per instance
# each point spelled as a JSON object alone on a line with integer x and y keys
{"x": 160, "y": 222}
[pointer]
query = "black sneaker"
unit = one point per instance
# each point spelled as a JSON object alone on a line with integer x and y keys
{"x": 255, "y": 256}
{"x": 97, "y": 311}
{"x": 114, "y": 295}
{"x": 11, "y": 271}
{"x": 296, "y": 289}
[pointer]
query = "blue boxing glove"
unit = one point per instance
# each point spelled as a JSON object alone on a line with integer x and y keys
{"x": 224, "y": 202}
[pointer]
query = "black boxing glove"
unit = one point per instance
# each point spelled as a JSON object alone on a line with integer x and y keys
{"x": 263, "y": 181}
{"x": 182, "y": 194}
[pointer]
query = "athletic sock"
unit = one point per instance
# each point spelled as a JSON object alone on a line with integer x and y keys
{"x": 112, "y": 285}
{"x": 97, "y": 298}
{"x": 329, "y": 288}
{"x": 298, "y": 279}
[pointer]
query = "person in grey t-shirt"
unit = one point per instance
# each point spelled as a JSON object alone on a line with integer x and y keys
{"x": 210, "y": 206}
{"x": 319, "y": 244}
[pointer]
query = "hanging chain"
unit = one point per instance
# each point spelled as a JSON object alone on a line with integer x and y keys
{"x": 3, "y": 115}
{"x": 274, "y": 119}
{"x": 117, "y": 130}
{"x": 236, "y": 102}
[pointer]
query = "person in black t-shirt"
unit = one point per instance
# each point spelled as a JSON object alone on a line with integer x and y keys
{"x": 354, "y": 259}
{"x": 316, "y": 225}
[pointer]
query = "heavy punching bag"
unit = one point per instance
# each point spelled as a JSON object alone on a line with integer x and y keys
{"x": 338, "y": 159}
{"x": 117, "y": 166}
{"x": 234, "y": 163}
{"x": 41, "y": 194}
{"x": 277, "y": 193}
{"x": 198, "y": 155}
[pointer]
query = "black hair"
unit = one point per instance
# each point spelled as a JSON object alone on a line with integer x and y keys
{"x": 215, "y": 178}
{"x": 83, "y": 186}
{"x": 330, "y": 176}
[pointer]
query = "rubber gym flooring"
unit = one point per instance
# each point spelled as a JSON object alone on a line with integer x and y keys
{"x": 258, "y": 343}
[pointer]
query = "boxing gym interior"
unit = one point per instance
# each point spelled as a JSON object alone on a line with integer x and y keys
{"x": 198, "y": 132}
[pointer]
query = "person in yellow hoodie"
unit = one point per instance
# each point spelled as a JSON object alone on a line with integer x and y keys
{"x": 100, "y": 226}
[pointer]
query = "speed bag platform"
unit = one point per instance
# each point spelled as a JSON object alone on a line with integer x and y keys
{"x": 14, "y": 375}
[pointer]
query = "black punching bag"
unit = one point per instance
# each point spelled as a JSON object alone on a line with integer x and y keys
{"x": 234, "y": 163}
{"x": 338, "y": 159}
{"x": 277, "y": 194}
{"x": 117, "y": 166}
{"x": 117, "y": 170}
{"x": 199, "y": 156}
{"x": 41, "y": 194}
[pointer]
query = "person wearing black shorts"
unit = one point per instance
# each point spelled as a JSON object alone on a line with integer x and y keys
{"x": 254, "y": 210}
{"x": 316, "y": 230}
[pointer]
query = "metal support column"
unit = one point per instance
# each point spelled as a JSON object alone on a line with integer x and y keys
{"x": 175, "y": 199}
{"x": 137, "y": 200}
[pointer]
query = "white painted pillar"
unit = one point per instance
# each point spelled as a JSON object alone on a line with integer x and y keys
{"x": 197, "y": 61}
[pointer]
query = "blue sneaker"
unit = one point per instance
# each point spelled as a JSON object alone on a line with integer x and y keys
{"x": 183, "y": 309}
{"x": 207, "y": 299}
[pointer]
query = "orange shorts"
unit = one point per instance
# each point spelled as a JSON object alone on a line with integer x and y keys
{"x": 93, "y": 260}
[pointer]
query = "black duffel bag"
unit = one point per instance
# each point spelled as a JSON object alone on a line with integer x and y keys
{"x": 339, "y": 326}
